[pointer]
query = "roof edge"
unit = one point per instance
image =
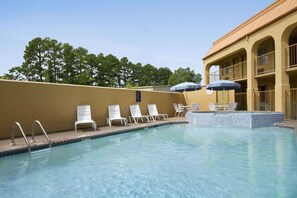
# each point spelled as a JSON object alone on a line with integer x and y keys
{"x": 250, "y": 20}
{"x": 250, "y": 33}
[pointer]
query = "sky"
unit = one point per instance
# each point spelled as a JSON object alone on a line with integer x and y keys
{"x": 164, "y": 33}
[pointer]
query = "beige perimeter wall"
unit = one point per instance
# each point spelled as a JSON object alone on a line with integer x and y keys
{"x": 54, "y": 105}
{"x": 202, "y": 98}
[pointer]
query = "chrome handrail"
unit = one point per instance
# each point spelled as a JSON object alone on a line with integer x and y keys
{"x": 24, "y": 136}
{"x": 36, "y": 122}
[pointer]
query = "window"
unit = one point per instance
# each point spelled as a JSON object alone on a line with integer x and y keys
{"x": 262, "y": 56}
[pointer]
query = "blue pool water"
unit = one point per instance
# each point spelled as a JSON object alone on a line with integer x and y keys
{"x": 167, "y": 161}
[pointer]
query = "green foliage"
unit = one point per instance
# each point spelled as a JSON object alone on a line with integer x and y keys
{"x": 184, "y": 75}
{"x": 163, "y": 75}
{"x": 47, "y": 60}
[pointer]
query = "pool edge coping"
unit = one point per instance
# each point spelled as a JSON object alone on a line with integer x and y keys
{"x": 64, "y": 141}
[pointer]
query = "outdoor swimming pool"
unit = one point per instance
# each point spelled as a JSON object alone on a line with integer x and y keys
{"x": 172, "y": 160}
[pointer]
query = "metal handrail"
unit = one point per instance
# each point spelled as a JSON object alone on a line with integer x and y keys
{"x": 25, "y": 138}
{"x": 36, "y": 122}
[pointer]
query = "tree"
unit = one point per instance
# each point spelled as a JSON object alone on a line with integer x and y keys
{"x": 34, "y": 65}
{"x": 68, "y": 72}
{"x": 92, "y": 65}
{"x": 136, "y": 73}
{"x": 125, "y": 71}
{"x": 80, "y": 66}
{"x": 184, "y": 75}
{"x": 111, "y": 64}
{"x": 163, "y": 75}
{"x": 53, "y": 60}
{"x": 148, "y": 77}
{"x": 101, "y": 71}
{"x": 15, "y": 73}
{"x": 197, "y": 78}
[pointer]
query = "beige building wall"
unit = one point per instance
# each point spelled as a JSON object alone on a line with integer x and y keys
{"x": 275, "y": 36}
{"x": 54, "y": 105}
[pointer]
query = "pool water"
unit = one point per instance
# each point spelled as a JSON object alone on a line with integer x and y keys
{"x": 166, "y": 161}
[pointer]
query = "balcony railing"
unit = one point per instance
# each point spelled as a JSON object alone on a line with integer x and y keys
{"x": 265, "y": 63}
{"x": 291, "y": 54}
{"x": 291, "y": 104}
{"x": 234, "y": 72}
{"x": 264, "y": 101}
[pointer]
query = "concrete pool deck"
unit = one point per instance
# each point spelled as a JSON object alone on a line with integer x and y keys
{"x": 67, "y": 137}
{"x": 70, "y": 136}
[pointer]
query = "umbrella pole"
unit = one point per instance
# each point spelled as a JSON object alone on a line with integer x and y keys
{"x": 223, "y": 96}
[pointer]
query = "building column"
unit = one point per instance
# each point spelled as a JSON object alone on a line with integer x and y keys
{"x": 206, "y": 74}
{"x": 282, "y": 83}
{"x": 252, "y": 84}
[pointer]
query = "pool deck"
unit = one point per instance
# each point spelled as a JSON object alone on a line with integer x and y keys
{"x": 67, "y": 137}
{"x": 287, "y": 124}
{"x": 61, "y": 138}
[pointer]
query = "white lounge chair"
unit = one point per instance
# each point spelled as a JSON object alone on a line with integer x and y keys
{"x": 153, "y": 111}
{"x": 136, "y": 113}
{"x": 84, "y": 116}
{"x": 194, "y": 107}
{"x": 178, "y": 111}
{"x": 114, "y": 113}
{"x": 231, "y": 106}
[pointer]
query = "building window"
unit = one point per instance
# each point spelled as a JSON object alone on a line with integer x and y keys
{"x": 262, "y": 56}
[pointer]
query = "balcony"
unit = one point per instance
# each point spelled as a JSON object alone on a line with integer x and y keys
{"x": 291, "y": 54}
{"x": 265, "y": 64}
{"x": 234, "y": 72}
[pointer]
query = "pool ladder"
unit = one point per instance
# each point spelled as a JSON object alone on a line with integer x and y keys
{"x": 16, "y": 124}
{"x": 36, "y": 122}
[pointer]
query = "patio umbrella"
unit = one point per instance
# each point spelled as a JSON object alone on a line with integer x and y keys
{"x": 222, "y": 85}
{"x": 185, "y": 86}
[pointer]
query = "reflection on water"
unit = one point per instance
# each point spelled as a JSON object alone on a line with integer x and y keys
{"x": 172, "y": 160}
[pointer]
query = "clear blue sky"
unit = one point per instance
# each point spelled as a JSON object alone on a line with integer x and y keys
{"x": 171, "y": 33}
